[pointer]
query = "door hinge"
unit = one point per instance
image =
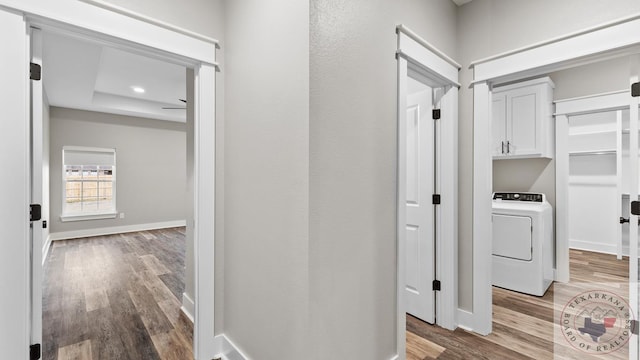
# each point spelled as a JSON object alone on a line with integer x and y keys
{"x": 634, "y": 327}
{"x": 436, "y": 285}
{"x": 34, "y": 352}
{"x": 635, "y": 89}
{"x": 635, "y": 208}
{"x": 35, "y": 212}
{"x": 436, "y": 114}
{"x": 35, "y": 71}
{"x": 436, "y": 199}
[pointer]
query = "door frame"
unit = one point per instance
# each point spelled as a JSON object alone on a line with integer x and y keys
{"x": 415, "y": 54}
{"x": 565, "y": 108}
{"x": 143, "y": 35}
{"x": 606, "y": 41}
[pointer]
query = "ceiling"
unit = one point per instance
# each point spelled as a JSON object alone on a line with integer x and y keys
{"x": 81, "y": 75}
{"x": 461, "y": 2}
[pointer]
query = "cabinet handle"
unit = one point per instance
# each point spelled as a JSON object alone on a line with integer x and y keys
{"x": 502, "y": 146}
{"x": 508, "y": 147}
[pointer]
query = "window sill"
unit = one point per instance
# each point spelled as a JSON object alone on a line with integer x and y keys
{"x": 83, "y": 217}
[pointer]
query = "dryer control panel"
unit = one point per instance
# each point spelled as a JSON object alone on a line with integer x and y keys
{"x": 514, "y": 196}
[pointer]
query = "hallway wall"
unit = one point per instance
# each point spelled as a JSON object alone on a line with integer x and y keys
{"x": 353, "y": 146}
{"x": 150, "y": 165}
{"x": 489, "y": 27}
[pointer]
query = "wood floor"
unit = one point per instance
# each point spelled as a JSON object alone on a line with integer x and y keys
{"x": 523, "y": 325}
{"x": 116, "y": 297}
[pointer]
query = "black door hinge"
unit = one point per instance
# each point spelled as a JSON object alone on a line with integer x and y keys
{"x": 635, "y": 89}
{"x": 436, "y": 114}
{"x": 35, "y": 71}
{"x": 634, "y": 327}
{"x": 34, "y": 352}
{"x": 35, "y": 212}
{"x": 436, "y": 285}
{"x": 635, "y": 208}
{"x": 436, "y": 199}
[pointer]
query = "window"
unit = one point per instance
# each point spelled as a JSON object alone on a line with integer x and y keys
{"x": 89, "y": 183}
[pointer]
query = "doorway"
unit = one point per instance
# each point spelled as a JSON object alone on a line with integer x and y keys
{"x": 525, "y": 63}
{"x": 139, "y": 36}
{"x": 119, "y": 125}
{"x": 427, "y": 185}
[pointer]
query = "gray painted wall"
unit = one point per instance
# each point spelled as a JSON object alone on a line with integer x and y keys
{"x": 488, "y": 27}
{"x": 150, "y": 163}
{"x": 267, "y": 177}
{"x": 352, "y": 252}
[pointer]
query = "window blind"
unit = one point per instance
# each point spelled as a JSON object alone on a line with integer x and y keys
{"x": 88, "y": 156}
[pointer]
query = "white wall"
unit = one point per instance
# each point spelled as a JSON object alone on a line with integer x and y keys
{"x": 150, "y": 164}
{"x": 352, "y": 252}
{"x": 489, "y": 27}
{"x": 266, "y": 293}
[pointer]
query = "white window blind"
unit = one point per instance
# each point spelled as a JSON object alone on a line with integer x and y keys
{"x": 88, "y": 156}
{"x": 89, "y": 178}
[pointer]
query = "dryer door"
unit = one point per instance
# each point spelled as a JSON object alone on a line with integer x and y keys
{"x": 512, "y": 236}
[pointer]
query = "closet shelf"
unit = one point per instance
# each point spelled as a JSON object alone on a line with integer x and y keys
{"x": 593, "y": 152}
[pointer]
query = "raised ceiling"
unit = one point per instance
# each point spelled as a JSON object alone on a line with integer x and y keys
{"x": 88, "y": 76}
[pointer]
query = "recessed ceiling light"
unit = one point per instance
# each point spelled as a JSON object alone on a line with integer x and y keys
{"x": 138, "y": 89}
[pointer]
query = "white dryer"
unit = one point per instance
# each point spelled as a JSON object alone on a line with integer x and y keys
{"x": 522, "y": 242}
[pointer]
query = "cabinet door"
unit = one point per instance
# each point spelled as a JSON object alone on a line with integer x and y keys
{"x": 499, "y": 125}
{"x": 523, "y": 121}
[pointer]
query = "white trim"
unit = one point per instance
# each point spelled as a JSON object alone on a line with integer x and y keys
{"x": 608, "y": 40}
{"x": 403, "y": 29}
{"x": 604, "y": 41}
{"x": 227, "y": 350}
{"x": 418, "y": 56}
{"x": 204, "y": 209}
{"x": 562, "y": 272}
{"x": 482, "y": 188}
{"x": 465, "y": 319}
{"x": 83, "y": 17}
{"x": 138, "y": 16}
{"x": 395, "y": 358}
{"x": 188, "y": 307}
{"x": 82, "y": 217}
{"x": 597, "y": 247}
{"x": 74, "y": 234}
{"x": 45, "y": 249}
{"x": 593, "y": 103}
{"x": 555, "y": 39}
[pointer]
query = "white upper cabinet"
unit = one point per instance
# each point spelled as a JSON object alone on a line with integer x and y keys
{"x": 522, "y": 124}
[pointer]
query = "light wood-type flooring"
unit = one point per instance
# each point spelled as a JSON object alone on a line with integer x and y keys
{"x": 523, "y": 325}
{"x": 116, "y": 297}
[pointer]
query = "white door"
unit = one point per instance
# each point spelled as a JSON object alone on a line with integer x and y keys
{"x": 419, "y": 256}
{"x": 37, "y": 191}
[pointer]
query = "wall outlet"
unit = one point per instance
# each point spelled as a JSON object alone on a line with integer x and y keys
{"x": 121, "y": 215}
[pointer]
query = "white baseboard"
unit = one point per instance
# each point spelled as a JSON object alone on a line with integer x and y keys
{"x": 227, "y": 350}
{"x": 45, "y": 249}
{"x": 465, "y": 320}
{"x": 65, "y": 235}
{"x": 597, "y": 247}
{"x": 188, "y": 306}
